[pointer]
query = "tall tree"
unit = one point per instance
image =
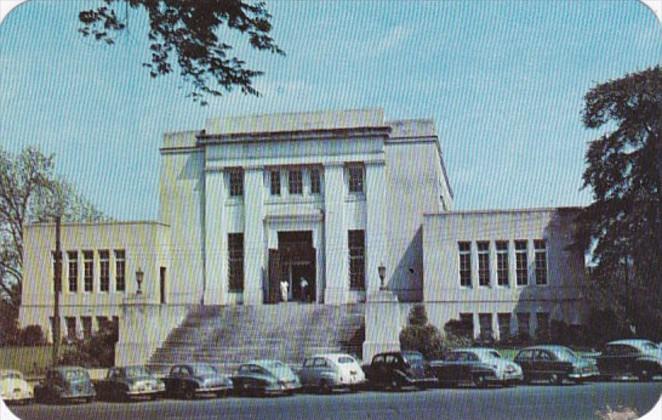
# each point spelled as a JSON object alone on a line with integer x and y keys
{"x": 30, "y": 191}
{"x": 188, "y": 34}
{"x": 623, "y": 226}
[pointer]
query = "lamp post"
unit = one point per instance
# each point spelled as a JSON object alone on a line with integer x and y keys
{"x": 382, "y": 273}
{"x": 139, "y": 280}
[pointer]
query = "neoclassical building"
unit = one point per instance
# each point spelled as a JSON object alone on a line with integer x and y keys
{"x": 249, "y": 203}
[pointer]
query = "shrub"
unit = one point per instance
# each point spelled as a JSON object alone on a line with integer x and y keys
{"x": 96, "y": 351}
{"x": 32, "y": 335}
{"x": 421, "y": 336}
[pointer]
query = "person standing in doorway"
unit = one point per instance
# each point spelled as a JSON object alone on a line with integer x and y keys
{"x": 303, "y": 286}
{"x": 284, "y": 286}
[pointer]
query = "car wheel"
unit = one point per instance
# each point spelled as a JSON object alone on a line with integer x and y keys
{"x": 556, "y": 379}
{"x": 324, "y": 387}
{"x": 479, "y": 381}
{"x": 644, "y": 374}
{"x": 189, "y": 393}
{"x": 395, "y": 385}
{"x": 221, "y": 394}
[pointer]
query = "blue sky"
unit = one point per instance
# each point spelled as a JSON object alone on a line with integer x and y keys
{"x": 504, "y": 82}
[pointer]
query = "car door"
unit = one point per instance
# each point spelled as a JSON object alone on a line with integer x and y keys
{"x": 378, "y": 369}
{"x": 525, "y": 359}
{"x": 444, "y": 369}
{"x": 545, "y": 363}
{"x": 306, "y": 375}
{"x": 470, "y": 365}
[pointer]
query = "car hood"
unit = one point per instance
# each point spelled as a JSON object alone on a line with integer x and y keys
{"x": 214, "y": 379}
{"x": 136, "y": 379}
{"x": 8, "y": 385}
{"x": 503, "y": 364}
{"x": 283, "y": 374}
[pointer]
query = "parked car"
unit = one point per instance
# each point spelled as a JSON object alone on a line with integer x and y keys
{"x": 555, "y": 364}
{"x": 190, "y": 379}
{"x": 124, "y": 383}
{"x": 641, "y": 358}
{"x": 262, "y": 377}
{"x": 65, "y": 383}
{"x": 14, "y": 388}
{"x": 326, "y": 372}
{"x": 479, "y": 366}
{"x": 400, "y": 369}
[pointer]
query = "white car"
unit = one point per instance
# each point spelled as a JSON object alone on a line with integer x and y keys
{"x": 326, "y": 372}
{"x": 14, "y": 388}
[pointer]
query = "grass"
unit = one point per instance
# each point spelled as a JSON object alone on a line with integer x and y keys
{"x": 29, "y": 360}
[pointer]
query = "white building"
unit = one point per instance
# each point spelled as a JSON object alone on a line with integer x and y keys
{"x": 250, "y": 202}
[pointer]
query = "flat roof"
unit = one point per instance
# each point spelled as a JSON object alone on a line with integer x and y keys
{"x": 504, "y": 211}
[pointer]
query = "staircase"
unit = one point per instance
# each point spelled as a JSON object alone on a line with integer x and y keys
{"x": 226, "y": 336}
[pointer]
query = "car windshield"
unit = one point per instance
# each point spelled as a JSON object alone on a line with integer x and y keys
{"x": 413, "y": 357}
{"x": 136, "y": 371}
{"x": 201, "y": 370}
{"x": 345, "y": 360}
{"x": 649, "y": 346}
{"x": 75, "y": 375}
{"x": 10, "y": 375}
{"x": 494, "y": 354}
{"x": 565, "y": 355}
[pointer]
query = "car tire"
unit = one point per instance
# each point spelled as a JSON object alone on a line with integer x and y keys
{"x": 479, "y": 381}
{"x": 644, "y": 374}
{"x": 221, "y": 394}
{"x": 556, "y": 379}
{"x": 324, "y": 387}
{"x": 189, "y": 393}
{"x": 395, "y": 385}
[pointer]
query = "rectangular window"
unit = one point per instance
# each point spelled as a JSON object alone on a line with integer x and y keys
{"x": 120, "y": 268}
{"x": 542, "y": 331}
{"x": 522, "y": 263}
{"x": 485, "y": 321}
{"x": 356, "y": 259}
{"x": 466, "y": 325}
{"x": 236, "y": 261}
{"x": 523, "y": 323}
{"x": 88, "y": 270}
{"x": 504, "y": 325}
{"x": 71, "y": 327}
{"x": 87, "y": 326}
{"x": 355, "y": 179}
{"x": 236, "y": 183}
{"x": 541, "y": 262}
{"x": 104, "y": 271}
{"x": 502, "y": 263}
{"x": 72, "y": 256}
{"x": 274, "y": 178}
{"x": 295, "y": 182}
{"x": 465, "y": 263}
{"x": 103, "y": 322}
{"x": 315, "y": 181}
{"x": 483, "y": 263}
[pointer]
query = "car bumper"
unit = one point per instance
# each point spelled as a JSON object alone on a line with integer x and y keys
{"x": 422, "y": 381}
{"x": 17, "y": 397}
{"x": 78, "y": 396}
{"x": 507, "y": 379}
{"x": 582, "y": 375}
{"x": 210, "y": 389}
{"x": 145, "y": 392}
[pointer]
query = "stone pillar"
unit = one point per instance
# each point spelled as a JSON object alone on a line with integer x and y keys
{"x": 215, "y": 239}
{"x": 382, "y": 324}
{"x": 375, "y": 225}
{"x": 335, "y": 235}
{"x": 253, "y": 235}
{"x": 495, "y": 326}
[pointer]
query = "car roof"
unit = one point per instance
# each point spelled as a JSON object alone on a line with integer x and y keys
{"x": 333, "y": 356}
{"x": 481, "y": 350}
{"x": 264, "y": 362}
{"x": 631, "y": 341}
{"x": 547, "y": 347}
{"x": 5, "y": 371}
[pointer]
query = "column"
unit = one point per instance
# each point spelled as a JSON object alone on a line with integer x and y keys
{"x": 375, "y": 225}
{"x": 253, "y": 235}
{"x": 215, "y": 239}
{"x": 335, "y": 236}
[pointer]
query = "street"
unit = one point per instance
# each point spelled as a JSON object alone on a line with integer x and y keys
{"x": 527, "y": 402}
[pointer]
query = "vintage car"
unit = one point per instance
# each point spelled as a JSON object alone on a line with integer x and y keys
{"x": 14, "y": 388}
{"x": 65, "y": 383}
{"x": 261, "y": 377}
{"x": 124, "y": 383}
{"x": 396, "y": 370}
{"x": 478, "y": 366}
{"x": 641, "y": 358}
{"x": 326, "y": 372}
{"x": 555, "y": 364}
{"x": 190, "y": 379}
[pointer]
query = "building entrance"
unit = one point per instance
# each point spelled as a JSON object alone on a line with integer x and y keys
{"x": 293, "y": 263}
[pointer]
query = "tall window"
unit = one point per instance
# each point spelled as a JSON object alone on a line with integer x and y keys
{"x": 87, "y": 326}
{"x": 541, "y": 262}
{"x": 236, "y": 183}
{"x": 465, "y": 263}
{"x": 523, "y": 323}
{"x": 315, "y": 181}
{"x": 466, "y": 325}
{"x": 483, "y": 263}
{"x": 504, "y": 325}
{"x": 542, "y": 332}
{"x": 522, "y": 263}
{"x": 274, "y": 178}
{"x": 71, "y": 327}
{"x": 485, "y": 322}
{"x": 357, "y": 259}
{"x": 104, "y": 271}
{"x": 236, "y": 261}
{"x": 295, "y": 182}
{"x": 88, "y": 270}
{"x": 120, "y": 268}
{"x": 72, "y": 256}
{"x": 502, "y": 263}
{"x": 355, "y": 179}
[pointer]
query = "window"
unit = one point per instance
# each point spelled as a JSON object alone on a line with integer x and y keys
{"x": 120, "y": 268}
{"x": 274, "y": 179}
{"x": 71, "y": 327}
{"x": 485, "y": 322}
{"x": 315, "y": 181}
{"x": 522, "y": 263}
{"x": 355, "y": 179}
{"x": 88, "y": 267}
{"x": 236, "y": 261}
{"x": 502, "y": 263}
{"x": 87, "y": 326}
{"x": 357, "y": 259}
{"x": 236, "y": 183}
{"x": 541, "y": 262}
{"x": 543, "y": 331}
{"x": 295, "y": 182}
{"x": 504, "y": 325}
{"x": 72, "y": 256}
{"x": 483, "y": 263}
{"x": 465, "y": 263}
{"x": 523, "y": 323}
{"x": 104, "y": 271}
{"x": 466, "y": 328}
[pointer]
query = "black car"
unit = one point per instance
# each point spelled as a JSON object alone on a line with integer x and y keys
{"x": 400, "y": 369}
{"x": 478, "y": 366}
{"x": 124, "y": 383}
{"x": 65, "y": 383}
{"x": 191, "y": 379}
{"x": 555, "y": 364}
{"x": 637, "y": 357}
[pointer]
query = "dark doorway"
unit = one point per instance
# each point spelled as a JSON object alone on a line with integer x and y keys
{"x": 293, "y": 261}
